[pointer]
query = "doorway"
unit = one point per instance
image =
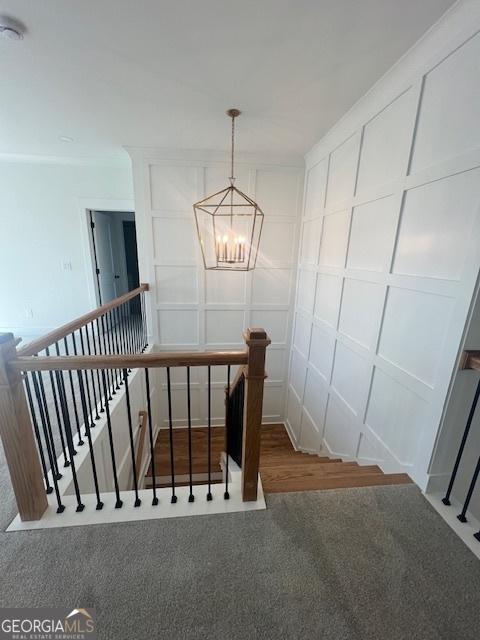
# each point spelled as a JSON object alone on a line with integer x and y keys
{"x": 114, "y": 253}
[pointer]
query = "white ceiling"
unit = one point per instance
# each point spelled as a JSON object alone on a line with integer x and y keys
{"x": 161, "y": 73}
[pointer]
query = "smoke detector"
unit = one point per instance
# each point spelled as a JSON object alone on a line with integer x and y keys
{"x": 11, "y": 29}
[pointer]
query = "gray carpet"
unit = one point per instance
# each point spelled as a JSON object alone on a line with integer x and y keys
{"x": 347, "y": 564}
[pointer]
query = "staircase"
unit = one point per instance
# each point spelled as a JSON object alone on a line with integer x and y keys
{"x": 282, "y": 469}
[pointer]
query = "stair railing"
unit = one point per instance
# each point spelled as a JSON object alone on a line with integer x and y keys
{"x": 93, "y": 358}
{"x": 470, "y": 360}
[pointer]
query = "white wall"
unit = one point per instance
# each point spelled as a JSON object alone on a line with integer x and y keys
{"x": 194, "y": 309}
{"x": 42, "y": 227}
{"x": 389, "y": 257}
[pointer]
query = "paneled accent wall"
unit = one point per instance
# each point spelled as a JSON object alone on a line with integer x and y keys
{"x": 202, "y": 310}
{"x": 389, "y": 256}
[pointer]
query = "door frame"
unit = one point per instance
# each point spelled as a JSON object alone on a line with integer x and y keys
{"x": 86, "y": 205}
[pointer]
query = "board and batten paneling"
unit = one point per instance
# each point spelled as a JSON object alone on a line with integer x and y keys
{"x": 388, "y": 260}
{"x": 194, "y": 309}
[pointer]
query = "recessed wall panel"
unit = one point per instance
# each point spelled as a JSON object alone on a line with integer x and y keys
{"x": 173, "y": 188}
{"x": 315, "y": 398}
{"x": 298, "y": 371}
{"x": 396, "y": 415}
{"x": 277, "y": 243}
{"x": 351, "y": 377}
{"x": 385, "y": 145}
{"x": 413, "y": 330}
{"x": 361, "y": 308}
{"x": 372, "y": 234}
{"x": 309, "y": 434}
{"x": 437, "y": 222}
{"x": 333, "y": 247}
{"x": 310, "y": 241}
{"x": 274, "y": 323}
{"x": 327, "y": 298}
{"x": 322, "y": 348}
{"x": 315, "y": 189}
{"x": 301, "y": 334}
{"x": 448, "y": 120}
{"x": 306, "y": 290}
{"x": 224, "y": 326}
{"x": 341, "y": 433}
{"x": 174, "y": 241}
{"x": 177, "y": 328}
{"x": 224, "y": 287}
{"x": 342, "y": 171}
{"x": 271, "y": 286}
{"x": 277, "y": 192}
{"x": 176, "y": 285}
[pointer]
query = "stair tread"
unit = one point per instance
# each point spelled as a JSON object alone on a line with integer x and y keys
{"x": 335, "y": 482}
{"x": 320, "y": 471}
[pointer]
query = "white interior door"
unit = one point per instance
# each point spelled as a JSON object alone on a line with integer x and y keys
{"x": 104, "y": 253}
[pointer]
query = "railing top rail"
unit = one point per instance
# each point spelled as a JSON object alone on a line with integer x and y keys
{"x": 45, "y": 341}
{"x": 470, "y": 360}
{"x": 129, "y": 361}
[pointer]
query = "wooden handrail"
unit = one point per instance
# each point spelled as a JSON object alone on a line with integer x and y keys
{"x": 470, "y": 360}
{"x": 129, "y": 361}
{"x": 45, "y": 341}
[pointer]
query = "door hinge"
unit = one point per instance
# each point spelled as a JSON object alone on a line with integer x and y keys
{"x": 97, "y": 271}
{"x": 92, "y": 224}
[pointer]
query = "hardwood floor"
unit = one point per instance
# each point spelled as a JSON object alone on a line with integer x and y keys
{"x": 282, "y": 469}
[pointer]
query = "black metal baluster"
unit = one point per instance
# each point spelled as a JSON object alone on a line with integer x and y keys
{"x": 139, "y": 324}
{"x": 191, "y": 497}
{"x": 42, "y": 403}
{"x": 463, "y": 515}
{"x": 117, "y": 372}
{"x": 118, "y": 503}
{"x": 144, "y": 322}
{"x": 66, "y": 461}
{"x": 209, "y": 494}
{"x": 150, "y": 433}
{"x": 137, "y": 502}
{"x": 48, "y": 487}
{"x": 90, "y": 411}
{"x": 116, "y": 344}
{"x": 129, "y": 331}
{"x": 110, "y": 351}
{"x": 89, "y": 437}
{"x": 123, "y": 332}
{"x": 226, "y": 495}
{"x": 74, "y": 398}
{"x": 48, "y": 441}
{"x": 61, "y": 390}
{"x": 118, "y": 335}
{"x": 92, "y": 378}
{"x": 102, "y": 321}
{"x": 170, "y": 430}
{"x": 446, "y": 499}
{"x": 96, "y": 351}
{"x": 68, "y": 432}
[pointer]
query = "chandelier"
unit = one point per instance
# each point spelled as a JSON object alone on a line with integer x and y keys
{"x": 229, "y": 224}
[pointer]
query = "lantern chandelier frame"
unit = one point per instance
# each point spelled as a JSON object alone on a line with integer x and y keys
{"x": 229, "y": 224}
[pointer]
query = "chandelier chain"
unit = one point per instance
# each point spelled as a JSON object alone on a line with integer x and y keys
{"x": 232, "y": 176}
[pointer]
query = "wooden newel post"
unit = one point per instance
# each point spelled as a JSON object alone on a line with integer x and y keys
{"x": 18, "y": 439}
{"x": 257, "y": 341}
